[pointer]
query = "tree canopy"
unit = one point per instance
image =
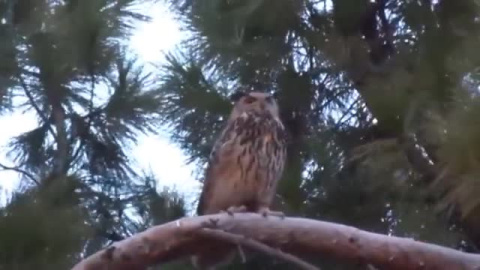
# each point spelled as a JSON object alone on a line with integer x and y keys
{"x": 380, "y": 99}
{"x": 66, "y": 62}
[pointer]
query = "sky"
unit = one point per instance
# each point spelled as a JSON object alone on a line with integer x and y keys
{"x": 157, "y": 154}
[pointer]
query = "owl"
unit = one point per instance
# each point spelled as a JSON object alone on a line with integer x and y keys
{"x": 244, "y": 167}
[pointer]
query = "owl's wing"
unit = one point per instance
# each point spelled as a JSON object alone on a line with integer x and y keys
{"x": 219, "y": 150}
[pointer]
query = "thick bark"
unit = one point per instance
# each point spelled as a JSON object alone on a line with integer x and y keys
{"x": 181, "y": 238}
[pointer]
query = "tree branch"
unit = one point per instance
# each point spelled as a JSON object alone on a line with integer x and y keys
{"x": 61, "y": 154}
{"x": 92, "y": 113}
{"x": 255, "y": 245}
{"x": 180, "y": 238}
{"x": 31, "y": 99}
{"x": 16, "y": 169}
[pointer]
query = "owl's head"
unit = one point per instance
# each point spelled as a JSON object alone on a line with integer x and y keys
{"x": 257, "y": 102}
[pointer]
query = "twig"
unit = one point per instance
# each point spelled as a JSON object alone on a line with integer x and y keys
{"x": 34, "y": 105}
{"x": 242, "y": 254}
{"x": 242, "y": 240}
{"x": 4, "y": 167}
{"x": 91, "y": 114}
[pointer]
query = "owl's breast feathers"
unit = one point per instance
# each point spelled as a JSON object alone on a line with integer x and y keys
{"x": 245, "y": 164}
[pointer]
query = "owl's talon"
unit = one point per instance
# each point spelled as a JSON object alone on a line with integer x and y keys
{"x": 265, "y": 212}
{"x": 226, "y": 212}
{"x": 213, "y": 222}
{"x": 234, "y": 209}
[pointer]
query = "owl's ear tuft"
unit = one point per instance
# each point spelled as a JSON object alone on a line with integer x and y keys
{"x": 237, "y": 96}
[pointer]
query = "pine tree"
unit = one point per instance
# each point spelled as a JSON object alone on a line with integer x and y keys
{"x": 66, "y": 63}
{"x": 379, "y": 98}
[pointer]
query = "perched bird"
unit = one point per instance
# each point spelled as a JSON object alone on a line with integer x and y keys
{"x": 245, "y": 164}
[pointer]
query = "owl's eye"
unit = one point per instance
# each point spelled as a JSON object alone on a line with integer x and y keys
{"x": 249, "y": 99}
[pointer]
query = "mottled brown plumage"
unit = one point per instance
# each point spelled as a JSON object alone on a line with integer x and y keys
{"x": 246, "y": 162}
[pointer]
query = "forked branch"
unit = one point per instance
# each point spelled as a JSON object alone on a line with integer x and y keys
{"x": 256, "y": 245}
{"x": 181, "y": 238}
{"x": 18, "y": 170}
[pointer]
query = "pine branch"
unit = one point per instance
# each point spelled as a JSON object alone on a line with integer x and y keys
{"x": 59, "y": 136}
{"x": 61, "y": 154}
{"x": 301, "y": 236}
{"x": 16, "y": 169}
{"x": 256, "y": 245}
{"x": 34, "y": 105}
{"x": 90, "y": 116}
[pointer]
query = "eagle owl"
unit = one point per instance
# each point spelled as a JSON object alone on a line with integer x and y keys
{"x": 245, "y": 164}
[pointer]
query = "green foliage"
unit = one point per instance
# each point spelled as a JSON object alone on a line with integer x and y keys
{"x": 155, "y": 208}
{"x": 379, "y": 99}
{"x": 65, "y": 62}
{"x": 460, "y": 147}
{"x": 193, "y": 106}
{"x": 39, "y": 229}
